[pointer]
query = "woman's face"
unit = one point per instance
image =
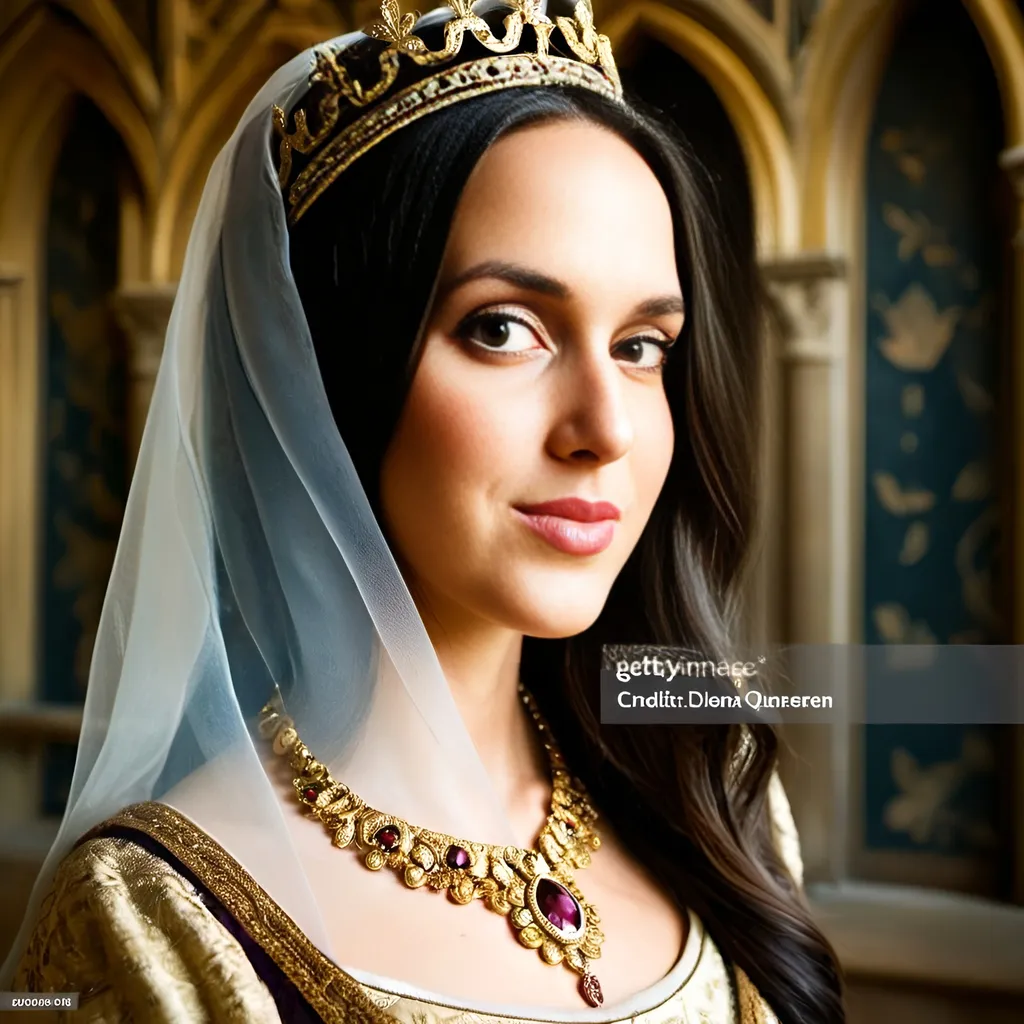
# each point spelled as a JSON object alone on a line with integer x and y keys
{"x": 539, "y": 382}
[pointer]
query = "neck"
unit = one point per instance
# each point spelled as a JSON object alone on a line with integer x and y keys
{"x": 480, "y": 661}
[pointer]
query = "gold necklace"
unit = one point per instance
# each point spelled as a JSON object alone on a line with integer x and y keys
{"x": 535, "y": 888}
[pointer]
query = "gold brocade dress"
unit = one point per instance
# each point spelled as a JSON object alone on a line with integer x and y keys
{"x": 152, "y": 921}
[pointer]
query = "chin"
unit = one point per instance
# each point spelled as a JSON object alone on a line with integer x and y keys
{"x": 556, "y": 626}
{"x": 560, "y": 631}
{"x": 551, "y": 610}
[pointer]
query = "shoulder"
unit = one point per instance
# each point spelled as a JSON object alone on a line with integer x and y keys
{"x": 784, "y": 833}
{"x": 129, "y": 932}
{"x": 150, "y": 918}
{"x": 715, "y": 990}
{"x": 785, "y": 837}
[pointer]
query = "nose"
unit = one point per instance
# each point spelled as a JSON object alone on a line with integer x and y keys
{"x": 592, "y": 421}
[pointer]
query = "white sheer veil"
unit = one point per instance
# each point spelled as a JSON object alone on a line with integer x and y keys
{"x": 250, "y": 558}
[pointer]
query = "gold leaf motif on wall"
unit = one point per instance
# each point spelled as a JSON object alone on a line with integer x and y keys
{"x": 919, "y": 333}
{"x": 919, "y": 809}
{"x": 918, "y": 234}
{"x": 915, "y": 543}
{"x": 912, "y": 167}
{"x": 976, "y": 579}
{"x": 975, "y": 397}
{"x": 911, "y": 150}
{"x": 893, "y": 498}
{"x": 923, "y": 806}
{"x": 972, "y": 483}
{"x": 939, "y": 254}
{"x": 913, "y": 229}
{"x": 912, "y": 400}
{"x": 894, "y": 625}
{"x": 910, "y": 164}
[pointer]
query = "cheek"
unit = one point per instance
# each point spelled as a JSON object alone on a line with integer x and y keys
{"x": 652, "y": 450}
{"x": 455, "y": 445}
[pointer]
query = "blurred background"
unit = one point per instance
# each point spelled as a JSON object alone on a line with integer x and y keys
{"x": 875, "y": 150}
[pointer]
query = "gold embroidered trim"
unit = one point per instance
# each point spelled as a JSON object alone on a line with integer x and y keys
{"x": 453, "y": 85}
{"x": 751, "y": 1008}
{"x": 336, "y": 996}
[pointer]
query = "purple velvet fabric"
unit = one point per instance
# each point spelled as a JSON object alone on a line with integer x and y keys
{"x": 291, "y": 1006}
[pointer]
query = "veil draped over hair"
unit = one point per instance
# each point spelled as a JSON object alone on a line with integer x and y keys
{"x": 250, "y": 559}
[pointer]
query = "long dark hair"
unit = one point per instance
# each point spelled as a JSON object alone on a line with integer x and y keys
{"x": 690, "y": 802}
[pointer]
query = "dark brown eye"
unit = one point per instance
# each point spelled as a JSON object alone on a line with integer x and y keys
{"x": 644, "y": 353}
{"x": 499, "y": 332}
{"x": 493, "y": 330}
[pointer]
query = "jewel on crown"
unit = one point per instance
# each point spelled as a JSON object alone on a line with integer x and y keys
{"x": 589, "y": 63}
{"x": 396, "y": 29}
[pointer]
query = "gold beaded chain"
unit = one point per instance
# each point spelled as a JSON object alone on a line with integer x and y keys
{"x": 534, "y": 888}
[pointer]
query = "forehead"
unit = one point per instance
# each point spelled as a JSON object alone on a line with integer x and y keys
{"x": 570, "y": 199}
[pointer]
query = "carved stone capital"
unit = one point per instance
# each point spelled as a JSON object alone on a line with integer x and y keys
{"x": 144, "y": 311}
{"x": 9, "y": 277}
{"x": 804, "y": 287}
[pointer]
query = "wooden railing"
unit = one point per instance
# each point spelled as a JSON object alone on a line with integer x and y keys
{"x": 35, "y": 723}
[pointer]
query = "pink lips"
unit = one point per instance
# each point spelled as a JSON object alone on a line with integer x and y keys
{"x": 572, "y": 525}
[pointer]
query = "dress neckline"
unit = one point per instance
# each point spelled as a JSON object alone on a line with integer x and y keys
{"x": 641, "y": 1002}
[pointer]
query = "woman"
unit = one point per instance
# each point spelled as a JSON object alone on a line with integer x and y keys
{"x": 457, "y": 389}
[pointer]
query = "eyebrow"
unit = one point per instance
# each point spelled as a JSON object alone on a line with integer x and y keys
{"x": 534, "y": 281}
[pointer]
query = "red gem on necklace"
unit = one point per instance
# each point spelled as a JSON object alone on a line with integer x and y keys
{"x": 310, "y": 795}
{"x": 457, "y": 857}
{"x": 387, "y": 839}
{"x": 590, "y": 989}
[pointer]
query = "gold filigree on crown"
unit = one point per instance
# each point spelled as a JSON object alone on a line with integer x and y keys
{"x": 331, "y": 149}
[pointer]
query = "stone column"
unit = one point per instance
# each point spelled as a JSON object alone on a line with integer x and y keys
{"x": 809, "y": 290}
{"x": 812, "y": 521}
{"x": 1012, "y": 161}
{"x": 20, "y": 516}
{"x": 143, "y": 311}
{"x": 19, "y": 492}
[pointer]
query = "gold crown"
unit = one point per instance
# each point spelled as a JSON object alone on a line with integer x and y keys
{"x": 592, "y": 67}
